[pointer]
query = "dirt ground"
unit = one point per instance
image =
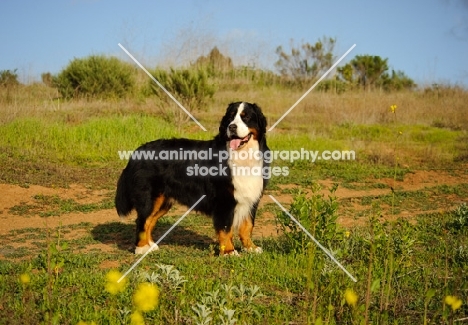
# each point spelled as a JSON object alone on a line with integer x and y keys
{"x": 16, "y": 196}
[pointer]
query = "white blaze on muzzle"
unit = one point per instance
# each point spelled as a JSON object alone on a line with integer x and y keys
{"x": 242, "y": 130}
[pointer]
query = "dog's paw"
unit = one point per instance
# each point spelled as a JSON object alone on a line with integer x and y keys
{"x": 256, "y": 249}
{"x": 232, "y": 253}
{"x": 146, "y": 248}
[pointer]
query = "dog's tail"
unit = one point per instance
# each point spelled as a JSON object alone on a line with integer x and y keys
{"x": 123, "y": 202}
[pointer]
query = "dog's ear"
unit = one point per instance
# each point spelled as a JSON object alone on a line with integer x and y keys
{"x": 223, "y": 126}
{"x": 261, "y": 119}
{"x": 225, "y": 121}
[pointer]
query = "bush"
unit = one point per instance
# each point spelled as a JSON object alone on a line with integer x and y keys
{"x": 189, "y": 86}
{"x": 317, "y": 214}
{"x": 95, "y": 77}
{"x": 459, "y": 220}
{"x": 8, "y": 78}
{"x": 333, "y": 86}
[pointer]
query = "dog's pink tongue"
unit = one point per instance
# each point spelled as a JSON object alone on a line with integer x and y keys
{"x": 235, "y": 143}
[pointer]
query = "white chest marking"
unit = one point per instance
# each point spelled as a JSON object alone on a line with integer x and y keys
{"x": 246, "y": 178}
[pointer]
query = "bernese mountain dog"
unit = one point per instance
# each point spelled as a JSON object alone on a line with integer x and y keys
{"x": 229, "y": 169}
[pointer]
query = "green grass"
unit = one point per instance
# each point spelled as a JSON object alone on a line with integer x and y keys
{"x": 424, "y": 256}
{"x": 432, "y": 198}
{"x": 388, "y": 132}
{"x": 47, "y": 205}
{"x": 53, "y": 150}
{"x": 93, "y": 142}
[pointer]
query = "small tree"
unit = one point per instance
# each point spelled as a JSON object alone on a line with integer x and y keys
{"x": 306, "y": 61}
{"x": 369, "y": 72}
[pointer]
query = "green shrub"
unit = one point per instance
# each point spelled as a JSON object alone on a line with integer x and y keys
{"x": 315, "y": 213}
{"x": 95, "y": 77}
{"x": 190, "y": 87}
{"x": 333, "y": 86}
{"x": 459, "y": 220}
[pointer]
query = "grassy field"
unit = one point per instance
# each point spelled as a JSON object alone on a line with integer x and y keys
{"x": 396, "y": 217}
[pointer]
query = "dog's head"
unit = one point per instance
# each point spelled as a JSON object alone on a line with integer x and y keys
{"x": 242, "y": 123}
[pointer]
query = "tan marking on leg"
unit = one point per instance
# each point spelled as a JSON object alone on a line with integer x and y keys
{"x": 159, "y": 210}
{"x": 226, "y": 245}
{"x": 245, "y": 234}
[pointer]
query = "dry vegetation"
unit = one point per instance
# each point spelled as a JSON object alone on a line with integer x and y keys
{"x": 444, "y": 107}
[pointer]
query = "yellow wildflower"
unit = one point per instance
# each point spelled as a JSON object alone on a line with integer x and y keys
{"x": 146, "y": 297}
{"x": 449, "y": 300}
{"x": 136, "y": 318}
{"x": 457, "y": 304}
{"x": 112, "y": 285}
{"x": 25, "y": 278}
{"x": 351, "y": 297}
{"x": 347, "y": 234}
{"x": 453, "y": 301}
{"x": 393, "y": 108}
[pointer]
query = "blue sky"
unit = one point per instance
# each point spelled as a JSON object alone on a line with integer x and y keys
{"x": 427, "y": 39}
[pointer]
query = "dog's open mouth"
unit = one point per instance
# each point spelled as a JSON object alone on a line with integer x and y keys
{"x": 236, "y": 144}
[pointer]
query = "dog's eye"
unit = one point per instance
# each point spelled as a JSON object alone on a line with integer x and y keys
{"x": 245, "y": 116}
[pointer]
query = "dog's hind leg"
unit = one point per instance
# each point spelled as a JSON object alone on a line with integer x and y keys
{"x": 145, "y": 226}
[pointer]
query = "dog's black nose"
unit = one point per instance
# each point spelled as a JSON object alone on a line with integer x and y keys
{"x": 233, "y": 128}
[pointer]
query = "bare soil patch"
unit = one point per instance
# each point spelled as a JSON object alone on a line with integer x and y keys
{"x": 14, "y": 195}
